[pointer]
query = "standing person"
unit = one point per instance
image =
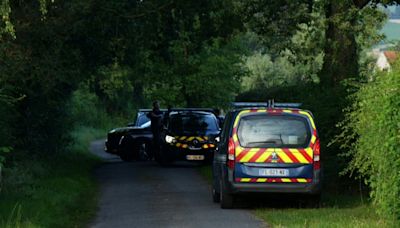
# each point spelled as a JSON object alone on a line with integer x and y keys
{"x": 155, "y": 117}
{"x": 220, "y": 118}
{"x": 166, "y": 115}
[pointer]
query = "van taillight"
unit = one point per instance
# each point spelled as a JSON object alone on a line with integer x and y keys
{"x": 231, "y": 154}
{"x": 317, "y": 158}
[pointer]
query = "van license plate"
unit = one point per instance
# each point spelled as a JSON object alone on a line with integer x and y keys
{"x": 274, "y": 172}
{"x": 195, "y": 157}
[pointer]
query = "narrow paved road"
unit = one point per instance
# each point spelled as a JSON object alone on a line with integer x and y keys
{"x": 144, "y": 194}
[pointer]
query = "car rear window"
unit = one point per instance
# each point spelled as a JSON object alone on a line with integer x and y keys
{"x": 266, "y": 131}
{"x": 142, "y": 119}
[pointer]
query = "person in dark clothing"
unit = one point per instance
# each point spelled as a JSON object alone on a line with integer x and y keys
{"x": 155, "y": 117}
{"x": 220, "y": 118}
{"x": 166, "y": 115}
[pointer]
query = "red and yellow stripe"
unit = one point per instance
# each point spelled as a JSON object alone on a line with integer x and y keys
{"x": 285, "y": 155}
{"x": 191, "y": 138}
{"x": 182, "y": 141}
{"x": 273, "y": 180}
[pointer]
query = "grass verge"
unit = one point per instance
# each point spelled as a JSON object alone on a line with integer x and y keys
{"x": 51, "y": 191}
{"x": 337, "y": 211}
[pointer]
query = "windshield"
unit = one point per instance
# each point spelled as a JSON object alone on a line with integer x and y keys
{"x": 192, "y": 123}
{"x": 273, "y": 131}
{"x": 142, "y": 119}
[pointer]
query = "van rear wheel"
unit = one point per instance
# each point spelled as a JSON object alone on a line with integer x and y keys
{"x": 227, "y": 199}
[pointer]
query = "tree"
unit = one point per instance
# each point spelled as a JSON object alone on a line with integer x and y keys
{"x": 341, "y": 48}
{"x": 275, "y": 21}
{"x": 36, "y": 65}
{"x": 163, "y": 44}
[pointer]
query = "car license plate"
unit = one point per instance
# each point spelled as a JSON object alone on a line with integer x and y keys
{"x": 195, "y": 157}
{"x": 274, "y": 172}
{"x": 194, "y": 148}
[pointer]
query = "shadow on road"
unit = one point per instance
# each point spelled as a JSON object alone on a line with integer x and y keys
{"x": 276, "y": 201}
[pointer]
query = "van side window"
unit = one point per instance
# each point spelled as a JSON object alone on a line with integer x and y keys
{"x": 225, "y": 128}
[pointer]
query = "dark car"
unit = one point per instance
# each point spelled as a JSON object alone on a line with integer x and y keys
{"x": 133, "y": 142}
{"x": 267, "y": 148}
{"x": 190, "y": 135}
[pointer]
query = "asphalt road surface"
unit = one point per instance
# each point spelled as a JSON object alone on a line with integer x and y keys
{"x": 143, "y": 194}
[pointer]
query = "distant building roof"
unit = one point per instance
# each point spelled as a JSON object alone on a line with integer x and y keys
{"x": 391, "y": 56}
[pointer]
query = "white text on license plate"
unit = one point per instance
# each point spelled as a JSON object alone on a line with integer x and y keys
{"x": 274, "y": 172}
{"x": 194, "y": 148}
{"x": 195, "y": 157}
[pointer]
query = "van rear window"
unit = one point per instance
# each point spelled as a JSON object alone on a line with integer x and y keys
{"x": 266, "y": 131}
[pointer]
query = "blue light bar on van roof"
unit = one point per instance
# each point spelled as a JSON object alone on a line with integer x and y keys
{"x": 287, "y": 105}
{"x": 249, "y": 104}
{"x": 270, "y": 104}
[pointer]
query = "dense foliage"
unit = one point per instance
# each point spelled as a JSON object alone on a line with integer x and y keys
{"x": 84, "y": 62}
{"x": 371, "y": 137}
{"x": 121, "y": 54}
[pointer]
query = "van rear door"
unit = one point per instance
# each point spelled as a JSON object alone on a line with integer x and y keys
{"x": 273, "y": 146}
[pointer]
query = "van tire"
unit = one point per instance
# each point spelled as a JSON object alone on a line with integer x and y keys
{"x": 227, "y": 199}
{"x": 144, "y": 152}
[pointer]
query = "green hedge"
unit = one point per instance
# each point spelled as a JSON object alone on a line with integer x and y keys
{"x": 371, "y": 135}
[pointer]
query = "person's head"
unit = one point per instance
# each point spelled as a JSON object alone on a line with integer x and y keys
{"x": 156, "y": 104}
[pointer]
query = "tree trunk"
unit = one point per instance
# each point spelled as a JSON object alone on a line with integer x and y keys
{"x": 341, "y": 54}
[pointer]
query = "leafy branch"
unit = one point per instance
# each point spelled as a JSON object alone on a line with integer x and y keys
{"x": 143, "y": 14}
{"x": 6, "y": 26}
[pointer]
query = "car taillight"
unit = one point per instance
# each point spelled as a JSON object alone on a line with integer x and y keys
{"x": 317, "y": 158}
{"x": 231, "y": 154}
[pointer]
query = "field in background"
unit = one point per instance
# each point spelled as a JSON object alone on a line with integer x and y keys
{"x": 392, "y": 30}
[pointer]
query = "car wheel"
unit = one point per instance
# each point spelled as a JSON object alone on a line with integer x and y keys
{"x": 127, "y": 151}
{"x": 142, "y": 152}
{"x": 149, "y": 150}
{"x": 226, "y": 199}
